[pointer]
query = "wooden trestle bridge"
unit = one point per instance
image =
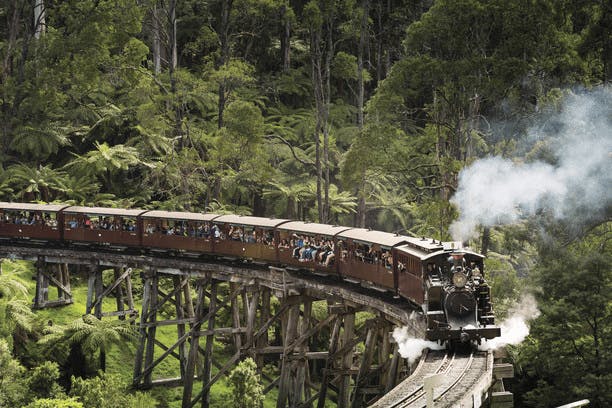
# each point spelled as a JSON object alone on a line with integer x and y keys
{"x": 356, "y": 365}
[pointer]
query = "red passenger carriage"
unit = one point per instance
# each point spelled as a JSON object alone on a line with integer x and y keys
{"x": 301, "y": 245}
{"x": 178, "y": 230}
{"x": 31, "y": 221}
{"x": 102, "y": 226}
{"x": 247, "y": 237}
{"x": 370, "y": 256}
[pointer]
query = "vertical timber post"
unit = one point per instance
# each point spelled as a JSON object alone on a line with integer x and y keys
{"x": 42, "y": 284}
{"x": 208, "y": 348}
{"x": 344, "y": 397}
{"x": 189, "y": 372}
{"x": 150, "y": 339}
{"x": 289, "y": 323}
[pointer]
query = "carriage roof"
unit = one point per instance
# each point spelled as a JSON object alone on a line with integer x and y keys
{"x": 32, "y": 207}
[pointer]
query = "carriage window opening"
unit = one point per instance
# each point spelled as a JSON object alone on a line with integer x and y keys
{"x": 29, "y": 218}
{"x": 284, "y": 243}
{"x": 236, "y": 233}
{"x": 251, "y": 236}
{"x": 327, "y": 253}
{"x": 387, "y": 259}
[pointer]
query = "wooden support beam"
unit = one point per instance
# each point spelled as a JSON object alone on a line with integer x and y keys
{"x": 503, "y": 370}
{"x": 333, "y": 346}
{"x": 290, "y": 325}
{"x": 179, "y": 282}
{"x": 366, "y": 362}
{"x": 344, "y": 396}
{"x": 208, "y": 349}
{"x": 91, "y": 279}
{"x": 102, "y": 293}
{"x": 188, "y": 375}
{"x": 305, "y": 336}
{"x": 172, "y": 322}
{"x": 168, "y": 296}
{"x": 394, "y": 369}
{"x": 221, "y": 373}
{"x": 151, "y": 331}
{"x": 222, "y": 330}
{"x": 139, "y": 358}
{"x": 236, "y": 314}
{"x": 271, "y": 386}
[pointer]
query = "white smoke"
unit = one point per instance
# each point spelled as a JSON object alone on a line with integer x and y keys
{"x": 496, "y": 191}
{"x": 515, "y": 328}
{"x": 411, "y": 348}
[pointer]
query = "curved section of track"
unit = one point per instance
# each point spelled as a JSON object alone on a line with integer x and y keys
{"x": 466, "y": 378}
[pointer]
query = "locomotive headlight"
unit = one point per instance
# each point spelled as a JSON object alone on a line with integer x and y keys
{"x": 459, "y": 279}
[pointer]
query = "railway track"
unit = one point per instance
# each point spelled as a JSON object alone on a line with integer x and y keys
{"x": 462, "y": 374}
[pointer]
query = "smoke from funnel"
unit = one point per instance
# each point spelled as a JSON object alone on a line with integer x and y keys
{"x": 574, "y": 184}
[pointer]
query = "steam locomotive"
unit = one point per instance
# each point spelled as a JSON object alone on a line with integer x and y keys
{"x": 447, "y": 284}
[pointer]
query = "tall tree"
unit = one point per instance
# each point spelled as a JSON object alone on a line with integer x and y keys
{"x": 568, "y": 357}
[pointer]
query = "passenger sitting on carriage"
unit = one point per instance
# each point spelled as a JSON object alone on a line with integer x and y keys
{"x": 298, "y": 241}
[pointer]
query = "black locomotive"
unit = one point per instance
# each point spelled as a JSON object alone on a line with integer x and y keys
{"x": 458, "y": 301}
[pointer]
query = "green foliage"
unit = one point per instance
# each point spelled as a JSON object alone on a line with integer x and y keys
{"x": 43, "y": 380}
{"x": 568, "y": 358}
{"x": 13, "y": 386}
{"x": 247, "y": 391}
{"x": 92, "y": 335}
{"x": 55, "y": 403}
{"x": 108, "y": 391}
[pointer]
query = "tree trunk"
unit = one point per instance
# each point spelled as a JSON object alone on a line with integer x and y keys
{"x": 157, "y": 27}
{"x": 316, "y": 60}
{"x": 226, "y": 7}
{"x": 172, "y": 30}
{"x": 365, "y": 6}
{"x": 102, "y": 359}
{"x": 39, "y": 18}
{"x": 285, "y": 40}
{"x": 327, "y": 99}
{"x": 361, "y": 205}
{"x": 178, "y": 114}
{"x": 485, "y": 240}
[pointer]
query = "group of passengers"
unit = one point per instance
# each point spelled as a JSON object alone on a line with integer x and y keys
{"x": 367, "y": 254}
{"x": 313, "y": 249}
{"x": 185, "y": 230}
{"x": 102, "y": 223}
{"x": 250, "y": 236}
{"x": 32, "y": 218}
{"x": 212, "y": 231}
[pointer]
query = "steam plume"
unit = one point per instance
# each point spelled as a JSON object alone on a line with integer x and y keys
{"x": 496, "y": 191}
{"x": 410, "y": 347}
{"x": 514, "y": 329}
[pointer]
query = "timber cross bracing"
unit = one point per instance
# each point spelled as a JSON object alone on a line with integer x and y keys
{"x": 264, "y": 314}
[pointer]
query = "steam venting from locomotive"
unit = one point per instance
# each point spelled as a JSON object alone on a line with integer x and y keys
{"x": 515, "y": 328}
{"x": 411, "y": 348}
{"x": 572, "y": 184}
